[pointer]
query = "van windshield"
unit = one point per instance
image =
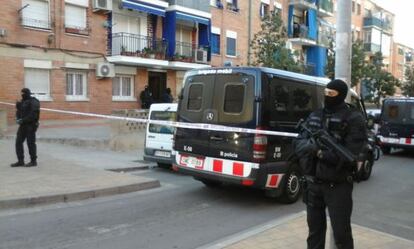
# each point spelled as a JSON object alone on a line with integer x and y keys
{"x": 399, "y": 112}
{"x": 162, "y": 115}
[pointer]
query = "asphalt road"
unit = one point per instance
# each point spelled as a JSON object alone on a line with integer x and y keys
{"x": 185, "y": 214}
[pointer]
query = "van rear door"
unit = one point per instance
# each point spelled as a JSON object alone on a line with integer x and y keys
{"x": 224, "y": 99}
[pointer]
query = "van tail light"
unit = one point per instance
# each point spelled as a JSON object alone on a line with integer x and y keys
{"x": 259, "y": 146}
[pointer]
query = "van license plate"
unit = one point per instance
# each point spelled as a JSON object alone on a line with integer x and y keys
{"x": 192, "y": 162}
{"x": 162, "y": 153}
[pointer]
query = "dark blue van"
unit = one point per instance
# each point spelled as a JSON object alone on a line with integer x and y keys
{"x": 244, "y": 97}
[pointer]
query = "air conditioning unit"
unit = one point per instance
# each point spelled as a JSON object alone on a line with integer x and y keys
{"x": 102, "y": 5}
{"x": 200, "y": 56}
{"x": 105, "y": 70}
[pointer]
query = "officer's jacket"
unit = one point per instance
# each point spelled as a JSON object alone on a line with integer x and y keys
{"x": 347, "y": 126}
{"x": 28, "y": 111}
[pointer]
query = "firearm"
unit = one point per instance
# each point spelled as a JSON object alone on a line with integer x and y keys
{"x": 324, "y": 140}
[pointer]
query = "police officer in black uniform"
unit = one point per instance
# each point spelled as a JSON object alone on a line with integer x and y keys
{"x": 329, "y": 180}
{"x": 27, "y": 117}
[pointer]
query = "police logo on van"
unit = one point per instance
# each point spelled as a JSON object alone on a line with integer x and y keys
{"x": 210, "y": 116}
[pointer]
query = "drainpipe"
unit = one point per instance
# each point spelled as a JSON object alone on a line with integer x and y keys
{"x": 249, "y": 50}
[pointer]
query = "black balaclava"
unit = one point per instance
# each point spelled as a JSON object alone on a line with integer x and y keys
{"x": 26, "y": 93}
{"x": 342, "y": 88}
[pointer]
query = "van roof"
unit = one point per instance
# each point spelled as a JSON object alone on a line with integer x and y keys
{"x": 282, "y": 73}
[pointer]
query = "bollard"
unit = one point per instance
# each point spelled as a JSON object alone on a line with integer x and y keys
{"x": 3, "y": 121}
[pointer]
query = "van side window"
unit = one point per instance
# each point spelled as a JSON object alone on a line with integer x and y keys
{"x": 289, "y": 101}
{"x": 234, "y": 98}
{"x": 195, "y": 97}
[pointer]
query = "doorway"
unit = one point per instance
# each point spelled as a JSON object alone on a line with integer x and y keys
{"x": 157, "y": 83}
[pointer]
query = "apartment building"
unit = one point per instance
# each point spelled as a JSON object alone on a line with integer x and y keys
{"x": 402, "y": 58}
{"x": 378, "y": 30}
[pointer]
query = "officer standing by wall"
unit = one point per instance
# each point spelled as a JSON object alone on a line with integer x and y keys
{"x": 27, "y": 117}
{"x": 329, "y": 181}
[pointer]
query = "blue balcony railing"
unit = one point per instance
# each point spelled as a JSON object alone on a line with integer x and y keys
{"x": 375, "y": 21}
{"x": 326, "y": 5}
{"x": 138, "y": 46}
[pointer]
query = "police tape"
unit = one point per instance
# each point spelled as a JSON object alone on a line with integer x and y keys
{"x": 199, "y": 126}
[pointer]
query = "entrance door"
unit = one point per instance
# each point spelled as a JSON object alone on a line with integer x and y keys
{"x": 157, "y": 83}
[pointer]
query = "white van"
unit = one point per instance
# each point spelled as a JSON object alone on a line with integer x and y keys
{"x": 159, "y": 138}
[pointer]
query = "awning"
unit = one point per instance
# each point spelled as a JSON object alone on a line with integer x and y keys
{"x": 192, "y": 18}
{"x": 144, "y": 7}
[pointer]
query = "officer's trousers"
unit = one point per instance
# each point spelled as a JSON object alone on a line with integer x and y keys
{"x": 26, "y": 132}
{"x": 338, "y": 199}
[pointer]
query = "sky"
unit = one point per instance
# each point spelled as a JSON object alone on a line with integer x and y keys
{"x": 404, "y": 19}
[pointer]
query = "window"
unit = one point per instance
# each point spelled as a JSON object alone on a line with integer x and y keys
{"x": 232, "y": 5}
{"x": 195, "y": 97}
{"x": 353, "y": 6}
{"x": 123, "y": 87}
{"x": 165, "y": 116}
{"x": 234, "y": 98}
{"x": 359, "y": 9}
{"x": 36, "y": 14}
{"x": 76, "y": 85}
{"x": 75, "y": 18}
{"x": 231, "y": 43}
{"x": 37, "y": 80}
{"x": 400, "y": 51}
{"x": 215, "y": 43}
{"x": 289, "y": 101}
{"x": 264, "y": 10}
{"x": 367, "y": 37}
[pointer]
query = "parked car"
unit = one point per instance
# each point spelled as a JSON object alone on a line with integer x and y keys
{"x": 254, "y": 98}
{"x": 159, "y": 138}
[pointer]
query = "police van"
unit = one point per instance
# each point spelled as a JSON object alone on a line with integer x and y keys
{"x": 254, "y": 98}
{"x": 397, "y": 124}
{"x": 158, "y": 138}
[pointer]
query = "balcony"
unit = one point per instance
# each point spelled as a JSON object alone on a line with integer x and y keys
{"x": 187, "y": 52}
{"x": 301, "y": 36}
{"x": 303, "y": 4}
{"x": 126, "y": 44}
{"x": 385, "y": 25}
{"x": 325, "y": 8}
{"x": 372, "y": 48}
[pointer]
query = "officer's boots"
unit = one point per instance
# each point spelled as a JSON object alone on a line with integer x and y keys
{"x": 32, "y": 163}
{"x": 18, "y": 164}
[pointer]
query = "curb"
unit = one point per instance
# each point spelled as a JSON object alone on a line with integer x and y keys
{"x": 77, "y": 196}
{"x": 229, "y": 240}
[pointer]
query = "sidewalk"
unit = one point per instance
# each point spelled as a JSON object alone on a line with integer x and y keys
{"x": 68, "y": 173}
{"x": 291, "y": 233}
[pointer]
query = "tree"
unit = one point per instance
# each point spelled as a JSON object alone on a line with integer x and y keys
{"x": 269, "y": 45}
{"x": 377, "y": 81}
{"x": 358, "y": 64}
{"x": 408, "y": 86}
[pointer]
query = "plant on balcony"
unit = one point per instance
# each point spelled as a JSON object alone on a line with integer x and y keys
{"x": 148, "y": 53}
{"x": 269, "y": 45}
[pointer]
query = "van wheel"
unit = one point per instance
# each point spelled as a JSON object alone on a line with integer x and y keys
{"x": 292, "y": 187}
{"x": 386, "y": 150}
{"x": 367, "y": 169}
{"x": 209, "y": 183}
{"x": 164, "y": 165}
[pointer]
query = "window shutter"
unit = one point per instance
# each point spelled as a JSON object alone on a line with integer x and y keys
{"x": 75, "y": 17}
{"x": 37, "y": 80}
{"x": 36, "y": 14}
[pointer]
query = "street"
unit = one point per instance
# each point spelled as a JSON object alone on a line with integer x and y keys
{"x": 183, "y": 213}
